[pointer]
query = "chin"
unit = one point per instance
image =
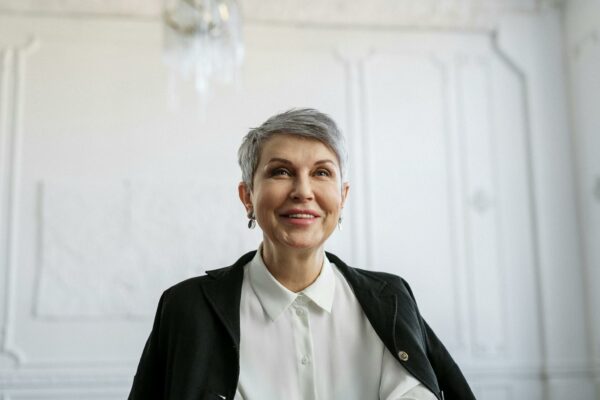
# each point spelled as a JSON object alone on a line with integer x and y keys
{"x": 303, "y": 244}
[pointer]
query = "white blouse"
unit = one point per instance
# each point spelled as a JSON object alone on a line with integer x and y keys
{"x": 316, "y": 344}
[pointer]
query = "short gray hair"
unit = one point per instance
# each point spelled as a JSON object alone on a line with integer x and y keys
{"x": 303, "y": 122}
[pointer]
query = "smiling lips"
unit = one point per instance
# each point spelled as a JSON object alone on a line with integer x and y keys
{"x": 300, "y": 217}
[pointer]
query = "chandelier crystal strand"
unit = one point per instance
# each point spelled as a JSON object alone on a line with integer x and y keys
{"x": 202, "y": 43}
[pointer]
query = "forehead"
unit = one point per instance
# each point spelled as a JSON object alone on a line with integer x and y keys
{"x": 296, "y": 148}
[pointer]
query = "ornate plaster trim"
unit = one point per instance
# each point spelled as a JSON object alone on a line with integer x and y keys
{"x": 11, "y": 83}
{"x": 470, "y": 14}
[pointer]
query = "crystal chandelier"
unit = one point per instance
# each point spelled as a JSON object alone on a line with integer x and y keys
{"x": 202, "y": 41}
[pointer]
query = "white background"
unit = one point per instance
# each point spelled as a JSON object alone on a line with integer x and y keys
{"x": 473, "y": 131}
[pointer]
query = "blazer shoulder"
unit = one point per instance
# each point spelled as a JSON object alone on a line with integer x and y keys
{"x": 185, "y": 292}
{"x": 187, "y": 285}
{"x": 192, "y": 287}
{"x": 368, "y": 278}
{"x": 394, "y": 281}
{"x": 384, "y": 276}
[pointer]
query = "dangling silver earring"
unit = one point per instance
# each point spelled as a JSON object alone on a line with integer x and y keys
{"x": 340, "y": 223}
{"x": 251, "y": 220}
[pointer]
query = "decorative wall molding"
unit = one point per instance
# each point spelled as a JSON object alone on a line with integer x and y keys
{"x": 479, "y": 170}
{"x": 109, "y": 378}
{"x": 518, "y": 70}
{"x": 11, "y": 99}
{"x": 462, "y": 321}
{"x": 353, "y": 62}
{"x": 103, "y": 394}
{"x": 438, "y": 66}
{"x": 496, "y": 392}
{"x": 481, "y": 202}
{"x": 107, "y": 248}
{"x": 476, "y": 14}
{"x": 566, "y": 371}
{"x": 587, "y": 42}
{"x": 596, "y": 188}
{"x": 6, "y": 83}
{"x": 407, "y": 13}
{"x": 582, "y": 32}
{"x": 89, "y": 379}
{"x": 554, "y": 212}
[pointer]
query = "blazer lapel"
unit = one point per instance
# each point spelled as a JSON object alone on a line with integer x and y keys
{"x": 394, "y": 318}
{"x": 378, "y": 304}
{"x": 224, "y": 292}
{"x": 381, "y": 310}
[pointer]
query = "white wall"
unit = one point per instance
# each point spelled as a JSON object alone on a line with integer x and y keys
{"x": 461, "y": 173}
{"x": 582, "y": 28}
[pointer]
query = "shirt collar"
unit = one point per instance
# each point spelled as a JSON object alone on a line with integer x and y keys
{"x": 276, "y": 298}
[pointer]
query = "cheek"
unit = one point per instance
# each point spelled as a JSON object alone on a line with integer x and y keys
{"x": 268, "y": 198}
{"x": 333, "y": 200}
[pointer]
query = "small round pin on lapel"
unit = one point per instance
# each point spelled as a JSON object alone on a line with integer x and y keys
{"x": 403, "y": 355}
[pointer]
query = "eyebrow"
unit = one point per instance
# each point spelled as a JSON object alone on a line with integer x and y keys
{"x": 284, "y": 161}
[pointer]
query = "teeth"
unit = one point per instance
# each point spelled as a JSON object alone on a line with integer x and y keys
{"x": 301, "y": 216}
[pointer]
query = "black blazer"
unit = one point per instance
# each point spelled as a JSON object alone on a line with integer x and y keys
{"x": 193, "y": 350}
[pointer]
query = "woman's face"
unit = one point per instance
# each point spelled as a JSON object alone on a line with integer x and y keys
{"x": 298, "y": 195}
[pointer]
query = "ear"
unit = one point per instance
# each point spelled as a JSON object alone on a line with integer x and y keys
{"x": 245, "y": 196}
{"x": 345, "y": 190}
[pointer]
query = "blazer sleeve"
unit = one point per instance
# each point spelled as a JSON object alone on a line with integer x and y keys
{"x": 450, "y": 378}
{"x": 149, "y": 380}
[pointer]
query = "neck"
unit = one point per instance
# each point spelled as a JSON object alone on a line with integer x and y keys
{"x": 295, "y": 269}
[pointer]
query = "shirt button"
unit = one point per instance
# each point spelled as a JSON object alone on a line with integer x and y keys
{"x": 304, "y": 360}
{"x": 403, "y": 355}
{"x": 299, "y": 312}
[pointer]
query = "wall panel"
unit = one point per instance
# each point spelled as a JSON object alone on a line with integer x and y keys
{"x": 487, "y": 301}
{"x": 120, "y": 194}
{"x": 118, "y": 191}
{"x": 583, "y": 48}
{"x": 532, "y": 46}
{"x": 409, "y": 182}
{"x": 14, "y": 53}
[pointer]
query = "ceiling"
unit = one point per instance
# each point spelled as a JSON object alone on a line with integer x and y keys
{"x": 368, "y": 13}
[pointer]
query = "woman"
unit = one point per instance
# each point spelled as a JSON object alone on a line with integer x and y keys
{"x": 290, "y": 321}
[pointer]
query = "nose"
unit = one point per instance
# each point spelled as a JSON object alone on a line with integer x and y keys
{"x": 302, "y": 189}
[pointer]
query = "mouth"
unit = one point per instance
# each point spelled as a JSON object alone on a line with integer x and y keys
{"x": 300, "y": 216}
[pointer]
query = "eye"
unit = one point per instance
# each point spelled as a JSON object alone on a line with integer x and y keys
{"x": 280, "y": 172}
{"x": 322, "y": 172}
